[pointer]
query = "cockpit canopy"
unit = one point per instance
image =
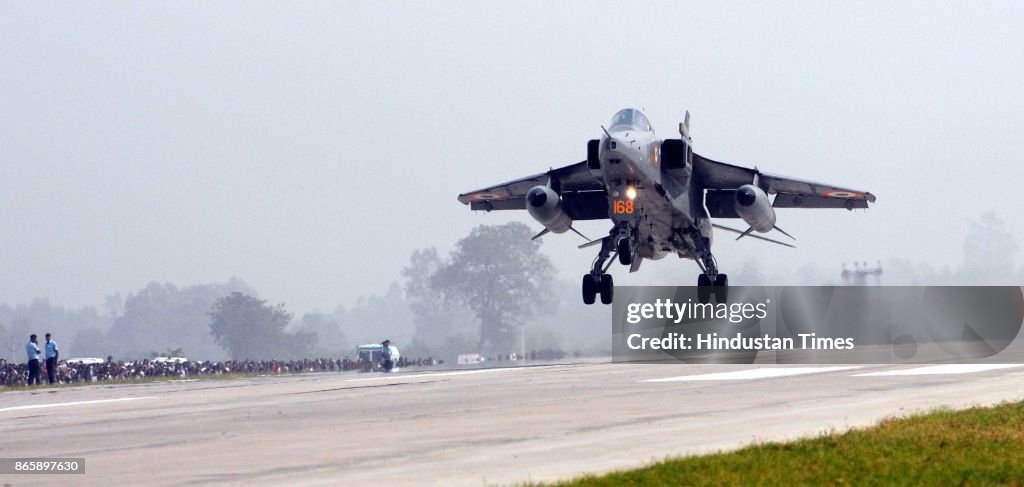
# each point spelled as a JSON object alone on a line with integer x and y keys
{"x": 630, "y": 119}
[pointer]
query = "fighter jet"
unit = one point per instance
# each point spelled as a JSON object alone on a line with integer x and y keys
{"x": 661, "y": 198}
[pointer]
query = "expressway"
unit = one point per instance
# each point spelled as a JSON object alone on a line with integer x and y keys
{"x": 460, "y": 427}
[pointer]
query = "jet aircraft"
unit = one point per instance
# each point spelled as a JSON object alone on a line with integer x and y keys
{"x": 661, "y": 198}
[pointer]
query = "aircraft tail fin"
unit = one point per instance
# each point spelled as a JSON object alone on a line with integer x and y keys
{"x": 684, "y": 126}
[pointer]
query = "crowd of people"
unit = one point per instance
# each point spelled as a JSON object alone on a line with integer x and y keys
{"x": 56, "y": 371}
{"x": 17, "y": 374}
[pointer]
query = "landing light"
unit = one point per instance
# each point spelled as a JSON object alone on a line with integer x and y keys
{"x": 631, "y": 192}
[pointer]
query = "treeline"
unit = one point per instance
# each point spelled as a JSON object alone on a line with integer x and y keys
{"x": 989, "y": 254}
{"x": 494, "y": 290}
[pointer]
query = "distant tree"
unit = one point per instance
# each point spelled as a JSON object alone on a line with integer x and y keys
{"x": 249, "y": 328}
{"x": 435, "y": 319}
{"x": 89, "y": 342}
{"x": 989, "y": 251}
{"x": 331, "y": 340}
{"x": 40, "y": 316}
{"x": 113, "y": 305}
{"x": 161, "y": 316}
{"x": 500, "y": 274}
{"x": 375, "y": 318}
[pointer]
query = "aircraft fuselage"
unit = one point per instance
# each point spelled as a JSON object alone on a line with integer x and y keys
{"x": 637, "y": 198}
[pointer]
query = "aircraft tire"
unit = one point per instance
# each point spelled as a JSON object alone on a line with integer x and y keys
{"x": 607, "y": 286}
{"x": 625, "y": 251}
{"x": 703, "y": 294}
{"x": 703, "y": 281}
{"x": 722, "y": 288}
{"x": 589, "y": 289}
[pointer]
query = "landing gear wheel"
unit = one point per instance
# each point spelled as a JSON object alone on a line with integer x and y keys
{"x": 722, "y": 288}
{"x": 589, "y": 289}
{"x": 703, "y": 289}
{"x": 625, "y": 251}
{"x": 607, "y": 286}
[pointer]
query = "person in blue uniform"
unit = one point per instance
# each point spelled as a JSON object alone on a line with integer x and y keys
{"x": 51, "y": 359}
{"x": 32, "y": 349}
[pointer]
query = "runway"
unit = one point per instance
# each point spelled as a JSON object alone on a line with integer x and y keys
{"x": 469, "y": 427}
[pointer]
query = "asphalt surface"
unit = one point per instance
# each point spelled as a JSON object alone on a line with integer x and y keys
{"x": 470, "y": 427}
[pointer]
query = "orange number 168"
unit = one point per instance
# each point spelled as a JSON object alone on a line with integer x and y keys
{"x": 623, "y": 207}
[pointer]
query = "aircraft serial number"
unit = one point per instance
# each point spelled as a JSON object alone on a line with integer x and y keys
{"x": 623, "y": 207}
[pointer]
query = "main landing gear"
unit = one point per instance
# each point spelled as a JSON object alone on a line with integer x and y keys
{"x": 710, "y": 282}
{"x": 602, "y": 284}
{"x": 619, "y": 241}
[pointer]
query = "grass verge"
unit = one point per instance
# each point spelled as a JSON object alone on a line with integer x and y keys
{"x": 978, "y": 446}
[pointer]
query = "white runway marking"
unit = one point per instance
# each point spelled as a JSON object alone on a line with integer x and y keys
{"x": 758, "y": 373}
{"x": 435, "y": 374}
{"x": 74, "y": 403}
{"x": 942, "y": 370}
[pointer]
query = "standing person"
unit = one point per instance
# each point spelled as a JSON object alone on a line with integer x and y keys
{"x": 32, "y": 349}
{"x": 390, "y": 355}
{"x": 51, "y": 359}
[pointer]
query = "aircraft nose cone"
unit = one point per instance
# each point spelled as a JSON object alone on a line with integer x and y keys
{"x": 745, "y": 196}
{"x": 537, "y": 197}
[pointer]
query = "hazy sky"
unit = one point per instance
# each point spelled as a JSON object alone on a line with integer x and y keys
{"x": 308, "y": 148}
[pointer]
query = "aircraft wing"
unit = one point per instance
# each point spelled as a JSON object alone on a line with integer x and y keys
{"x": 790, "y": 192}
{"x": 512, "y": 195}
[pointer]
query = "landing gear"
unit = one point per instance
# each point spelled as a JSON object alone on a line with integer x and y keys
{"x": 722, "y": 288}
{"x": 602, "y": 284}
{"x": 710, "y": 281}
{"x": 589, "y": 289}
{"x": 607, "y": 286}
{"x": 598, "y": 281}
{"x": 625, "y": 251}
{"x": 718, "y": 287}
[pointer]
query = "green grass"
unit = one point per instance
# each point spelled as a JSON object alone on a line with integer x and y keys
{"x": 979, "y": 446}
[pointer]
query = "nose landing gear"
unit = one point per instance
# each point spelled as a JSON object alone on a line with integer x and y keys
{"x": 625, "y": 251}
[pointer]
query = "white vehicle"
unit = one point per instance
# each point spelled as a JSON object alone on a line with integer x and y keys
{"x": 370, "y": 355}
{"x": 175, "y": 360}
{"x": 85, "y": 361}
